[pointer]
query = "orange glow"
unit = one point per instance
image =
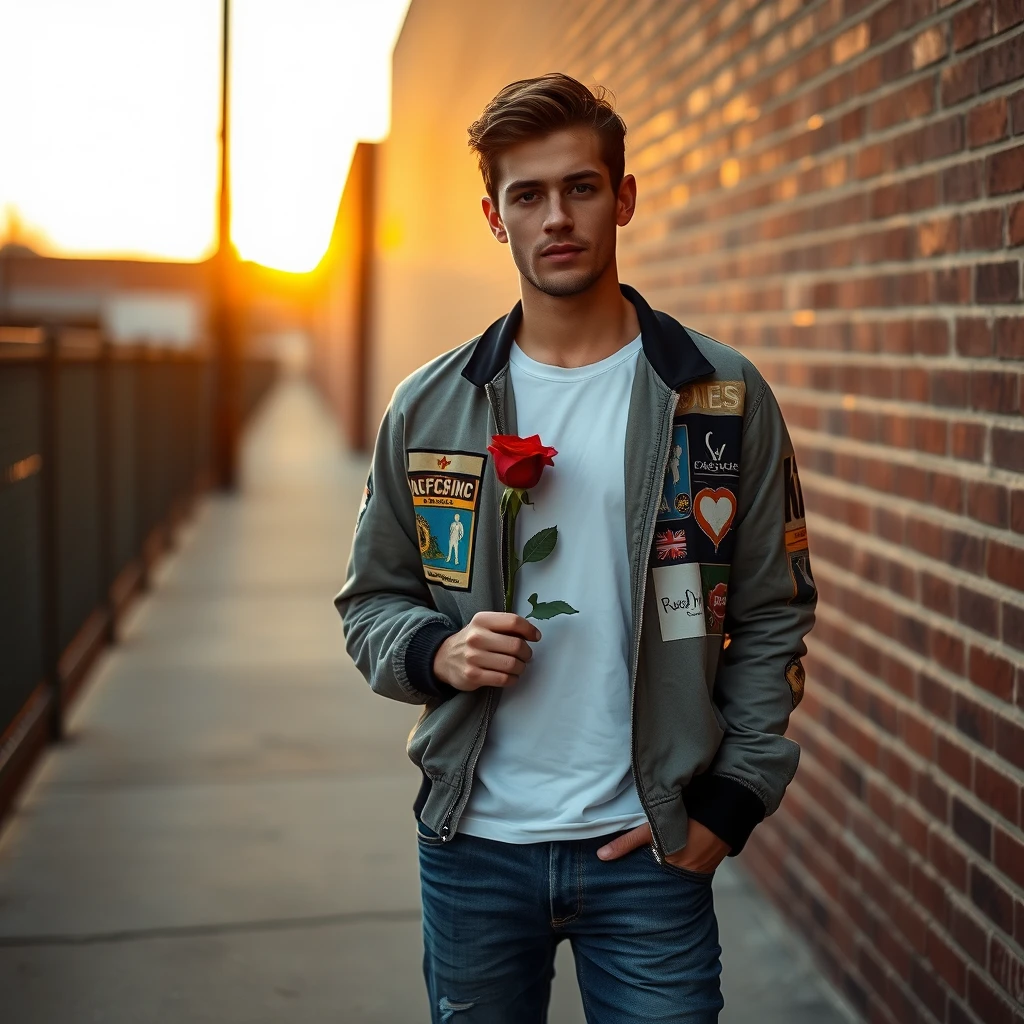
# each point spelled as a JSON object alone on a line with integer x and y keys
{"x": 109, "y": 132}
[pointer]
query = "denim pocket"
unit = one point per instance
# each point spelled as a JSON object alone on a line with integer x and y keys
{"x": 693, "y": 876}
{"x": 427, "y": 835}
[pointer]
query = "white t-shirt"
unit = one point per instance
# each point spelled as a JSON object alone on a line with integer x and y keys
{"x": 556, "y": 760}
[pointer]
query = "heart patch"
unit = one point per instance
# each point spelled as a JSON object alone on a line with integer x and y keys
{"x": 714, "y": 510}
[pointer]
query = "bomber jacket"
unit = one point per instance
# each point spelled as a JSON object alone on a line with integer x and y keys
{"x": 722, "y": 593}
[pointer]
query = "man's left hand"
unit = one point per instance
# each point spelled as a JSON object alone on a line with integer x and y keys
{"x": 703, "y": 852}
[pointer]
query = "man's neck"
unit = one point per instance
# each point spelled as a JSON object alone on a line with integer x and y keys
{"x": 576, "y": 330}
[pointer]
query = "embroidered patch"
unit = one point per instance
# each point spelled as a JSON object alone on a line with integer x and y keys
{"x": 670, "y": 545}
{"x": 797, "y": 553}
{"x": 676, "y": 500}
{"x": 677, "y": 590}
{"x": 716, "y": 398}
{"x": 715, "y": 585}
{"x": 367, "y": 495}
{"x": 714, "y": 511}
{"x": 795, "y": 676}
{"x": 445, "y": 489}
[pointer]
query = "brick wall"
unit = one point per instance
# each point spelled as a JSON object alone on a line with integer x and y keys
{"x": 836, "y": 189}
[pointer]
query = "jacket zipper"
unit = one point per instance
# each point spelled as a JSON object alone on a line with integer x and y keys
{"x": 645, "y": 552}
{"x": 445, "y": 831}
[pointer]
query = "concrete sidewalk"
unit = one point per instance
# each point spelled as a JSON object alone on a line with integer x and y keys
{"x": 228, "y": 835}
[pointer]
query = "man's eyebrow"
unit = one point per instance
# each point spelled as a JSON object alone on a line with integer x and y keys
{"x": 568, "y": 179}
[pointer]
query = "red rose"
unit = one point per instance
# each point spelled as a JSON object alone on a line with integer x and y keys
{"x": 519, "y": 461}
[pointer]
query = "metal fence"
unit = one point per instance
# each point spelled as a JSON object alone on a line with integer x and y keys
{"x": 102, "y": 451}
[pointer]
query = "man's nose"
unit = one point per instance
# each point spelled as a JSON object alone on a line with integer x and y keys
{"x": 558, "y": 217}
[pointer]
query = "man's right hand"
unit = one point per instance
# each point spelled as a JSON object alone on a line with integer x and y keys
{"x": 490, "y": 651}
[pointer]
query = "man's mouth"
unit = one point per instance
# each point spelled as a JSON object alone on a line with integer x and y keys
{"x": 561, "y": 253}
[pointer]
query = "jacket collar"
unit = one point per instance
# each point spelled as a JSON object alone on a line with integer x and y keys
{"x": 668, "y": 346}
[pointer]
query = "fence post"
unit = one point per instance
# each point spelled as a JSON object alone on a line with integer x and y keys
{"x": 50, "y": 576}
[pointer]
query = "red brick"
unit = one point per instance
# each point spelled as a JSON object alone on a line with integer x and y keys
{"x": 967, "y": 441}
{"x": 948, "y": 650}
{"x": 1010, "y": 741}
{"x": 949, "y": 388}
{"x": 997, "y": 282}
{"x": 998, "y": 791}
{"x": 954, "y": 760}
{"x": 987, "y": 123}
{"x": 988, "y": 503}
{"x": 981, "y": 230}
{"x": 1007, "y": 14}
{"x": 990, "y": 896}
{"x": 1017, "y": 112}
{"x": 969, "y": 935}
{"x": 958, "y": 81}
{"x": 1000, "y": 63}
{"x": 1017, "y": 511}
{"x": 989, "y": 1005}
{"x": 1009, "y": 337}
{"x": 932, "y": 797}
{"x": 979, "y": 611}
{"x": 992, "y": 673}
{"x": 972, "y": 828}
{"x": 1008, "y": 449}
{"x": 927, "y": 987}
{"x": 1005, "y": 564}
{"x": 947, "y": 860}
{"x": 974, "y": 720}
{"x": 1015, "y": 221}
{"x": 972, "y": 25}
{"x": 1005, "y": 171}
{"x": 1013, "y": 625}
{"x": 995, "y": 391}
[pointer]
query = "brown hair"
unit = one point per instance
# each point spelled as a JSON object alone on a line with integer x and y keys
{"x": 534, "y": 107}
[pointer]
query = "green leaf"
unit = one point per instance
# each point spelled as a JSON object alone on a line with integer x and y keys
{"x": 540, "y": 545}
{"x": 549, "y": 609}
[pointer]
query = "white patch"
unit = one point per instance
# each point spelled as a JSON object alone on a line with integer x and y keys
{"x": 680, "y": 606}
{"x": 714, "y": 511}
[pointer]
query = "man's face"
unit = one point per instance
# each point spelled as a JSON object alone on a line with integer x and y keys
{"x": 557, "y": 211}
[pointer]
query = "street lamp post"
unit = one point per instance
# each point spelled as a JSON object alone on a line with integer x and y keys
{"x": 227, "y": 335}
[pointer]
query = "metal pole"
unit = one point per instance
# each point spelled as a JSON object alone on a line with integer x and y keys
{"x": 227, "y": 334}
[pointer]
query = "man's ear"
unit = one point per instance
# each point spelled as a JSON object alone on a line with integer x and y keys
{"x": 494, "y": 221}
{"x": 625, "y": 204}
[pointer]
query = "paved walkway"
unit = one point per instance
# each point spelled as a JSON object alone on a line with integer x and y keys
{"x": 228, "y": 836}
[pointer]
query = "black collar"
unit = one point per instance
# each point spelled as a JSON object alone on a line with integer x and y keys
{"x": 667, "y": 345}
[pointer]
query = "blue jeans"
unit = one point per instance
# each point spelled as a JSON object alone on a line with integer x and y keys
{"x": 644, "y": 935}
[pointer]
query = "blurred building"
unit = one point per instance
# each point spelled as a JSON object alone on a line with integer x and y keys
{"x": 837, "y": 189}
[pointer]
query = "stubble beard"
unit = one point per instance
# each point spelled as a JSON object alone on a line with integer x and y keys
{"x": 560, "y": 285}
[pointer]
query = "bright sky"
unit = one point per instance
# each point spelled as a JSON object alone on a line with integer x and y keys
{"x": 110, "y": 117}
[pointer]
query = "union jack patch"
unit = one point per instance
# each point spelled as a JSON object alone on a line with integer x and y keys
{"x": 670, "y": 545}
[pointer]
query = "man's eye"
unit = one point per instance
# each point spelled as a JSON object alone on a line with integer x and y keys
{"x": 586, "y": 188}
{"x": 527, "y": 196}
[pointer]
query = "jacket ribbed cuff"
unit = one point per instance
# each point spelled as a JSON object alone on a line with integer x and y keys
{"x": 727, "y": 807}
{"x": 419, "y": 660}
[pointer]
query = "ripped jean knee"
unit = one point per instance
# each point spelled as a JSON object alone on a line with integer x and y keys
{"x": 448, "y": 1008}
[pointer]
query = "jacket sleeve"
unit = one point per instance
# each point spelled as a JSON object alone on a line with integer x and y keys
{"x": 770, "y": 608}
{"x": 392, "y": 627}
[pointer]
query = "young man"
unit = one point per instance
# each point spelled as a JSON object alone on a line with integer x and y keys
{"x": 587, "y": 783}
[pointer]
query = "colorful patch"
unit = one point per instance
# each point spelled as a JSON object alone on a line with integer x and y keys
{"x": 365, "y": 500}
{"x": 719, "y": 457}
{"x": 795, "y": 676}
{"x": 714, "y": 511}
{"x": 675, "y": 493}
{"x": 670, "y": 545}
{"x": 715, "y": 586}
{"x": 677, "y": 590}
{"x": 715, "y": 398}
{"x": 445, "y": 489}
{"x": 804, "y": 589}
